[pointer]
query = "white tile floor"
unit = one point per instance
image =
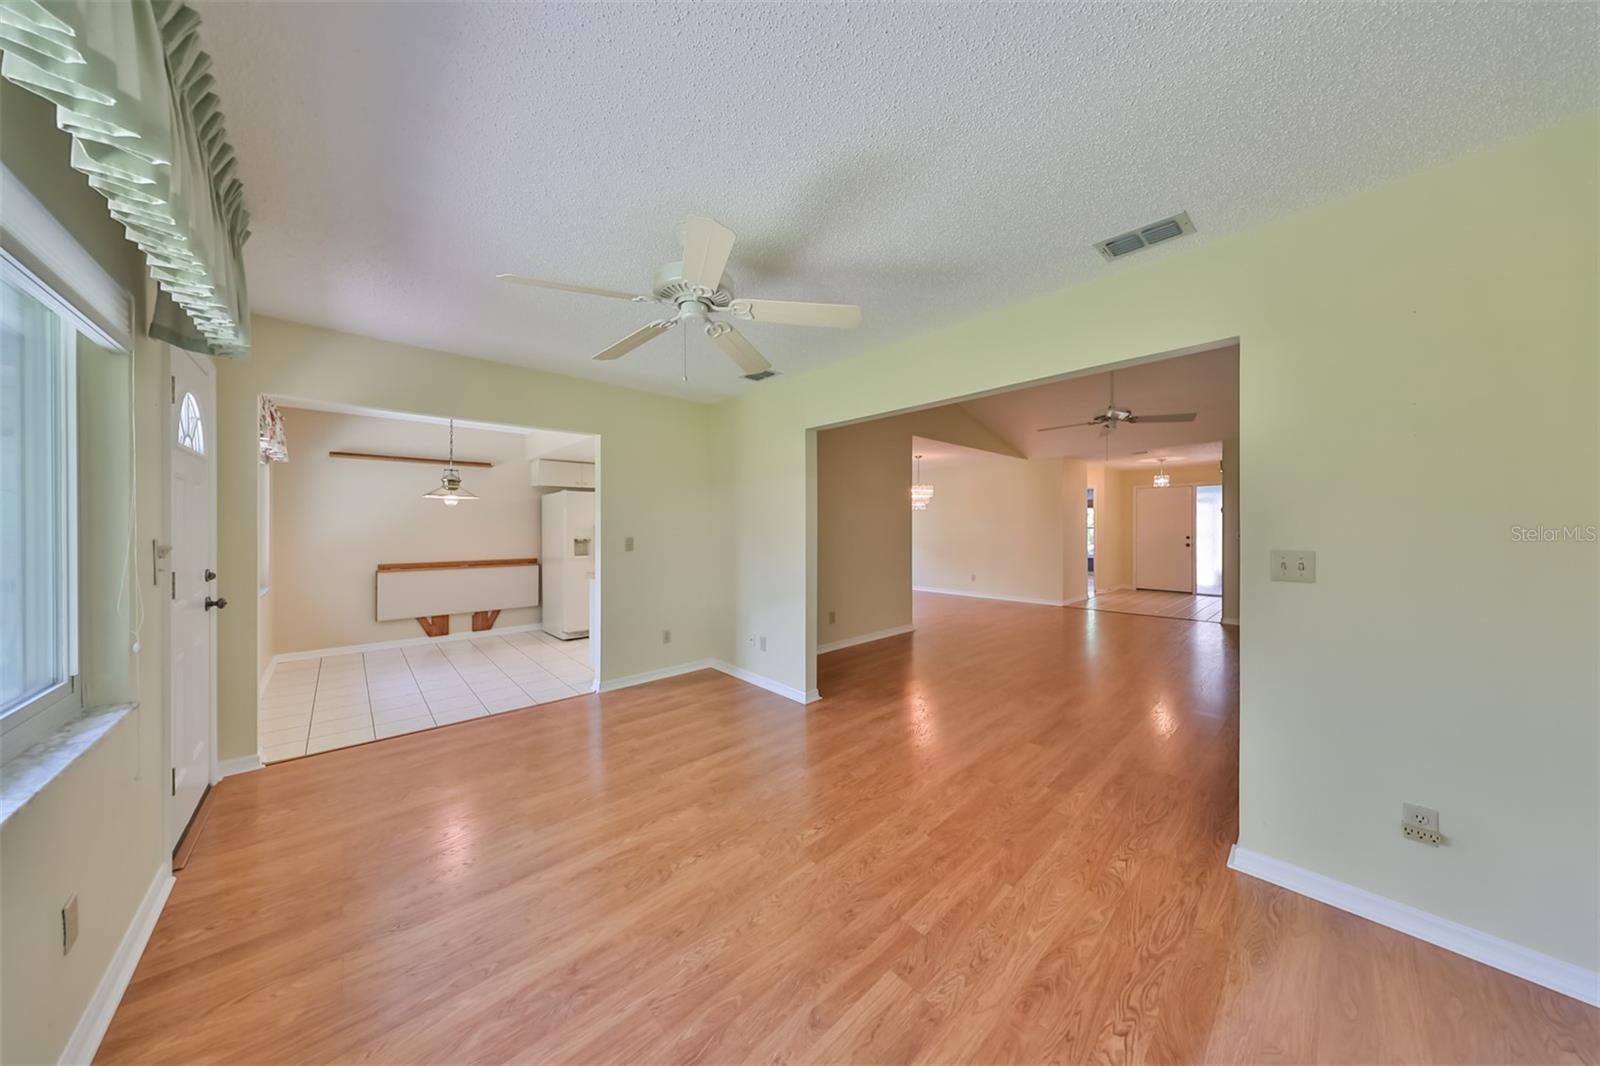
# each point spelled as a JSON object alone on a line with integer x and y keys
{"x": 313, "y": 705}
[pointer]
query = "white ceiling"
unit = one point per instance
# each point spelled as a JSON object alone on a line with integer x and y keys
{"x": 925, "y": 161}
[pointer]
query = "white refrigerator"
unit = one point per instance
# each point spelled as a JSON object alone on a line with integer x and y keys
{"x": 566, "y": 562}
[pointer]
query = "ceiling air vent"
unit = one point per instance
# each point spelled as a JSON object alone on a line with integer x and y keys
{"x": 762, "y": 376}
{"x": 1143, "y": 237}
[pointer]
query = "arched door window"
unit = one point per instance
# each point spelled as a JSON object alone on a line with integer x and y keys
{"x": 191, "y": 431}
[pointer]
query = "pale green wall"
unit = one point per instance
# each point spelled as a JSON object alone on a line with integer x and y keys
{"x": 96, "y": 831}
{"x": 656, "y": 485}
{"x": 1394, "y": 349}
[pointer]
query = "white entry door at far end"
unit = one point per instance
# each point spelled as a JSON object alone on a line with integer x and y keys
{"x": 1163, "y": 538}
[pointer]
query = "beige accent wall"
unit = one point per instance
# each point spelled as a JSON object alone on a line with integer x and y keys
{"x": 1003, "y": 527}
{"x": 97, "y": 830}
{"x": 863, "y": 487}
{"x": 334, "y": 520}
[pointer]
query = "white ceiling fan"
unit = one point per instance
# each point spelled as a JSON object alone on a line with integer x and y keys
{"x": 698, "y": 289}
{"x": 1114, "y": 416}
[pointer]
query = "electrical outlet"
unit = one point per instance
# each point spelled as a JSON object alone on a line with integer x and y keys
{"x": 666, "y": 636}
{"x": 1298, "y": 566}
{"x": 1420, "y": 824}
{"x": 69, "y": 925}
{"x": 763, "y": 643}
{"x": 973, "y": 577}
{"x": 627, "y": 544}
{"x": 832, "y": 618}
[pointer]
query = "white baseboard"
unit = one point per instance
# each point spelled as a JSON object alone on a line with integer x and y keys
{"x": 989, "y": 596}
{"x": 788, "y": 692}
{"x": 656, "y": 675}
{"x": 407, "y": 642}
{"x": 1564, "y": 977}
{"x": 865, "y": 638}
{"x": 96, "y": 1017}
{"x": 243, "y": 764}
{"x": 1229, "y": 621}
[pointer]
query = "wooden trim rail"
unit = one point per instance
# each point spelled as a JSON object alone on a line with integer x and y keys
{"x": 477, "y": 464}
{"x": 457, "y": 564}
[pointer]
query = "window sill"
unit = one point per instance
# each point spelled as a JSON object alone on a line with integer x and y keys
{"x": 32, "y": 770}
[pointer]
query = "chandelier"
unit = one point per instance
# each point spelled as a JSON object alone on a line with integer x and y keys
{"x": 921, "y": 493}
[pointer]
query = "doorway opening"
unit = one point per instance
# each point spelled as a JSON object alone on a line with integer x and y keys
{"x": 418, "y": 571}
{"x": 1030, "y": 496}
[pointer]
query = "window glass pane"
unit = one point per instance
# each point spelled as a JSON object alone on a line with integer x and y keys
{"x": 191, "y": 431}
{"x": 33, "y": 481}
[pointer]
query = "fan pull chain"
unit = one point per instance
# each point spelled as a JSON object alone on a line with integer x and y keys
{"x": 686, "y": 353}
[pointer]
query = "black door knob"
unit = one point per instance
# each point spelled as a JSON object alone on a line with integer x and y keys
{"x": 218, "y": 604}
{"x": 211, "y": 575}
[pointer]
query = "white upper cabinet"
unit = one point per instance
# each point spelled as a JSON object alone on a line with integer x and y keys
{"x": 562, "y": 474}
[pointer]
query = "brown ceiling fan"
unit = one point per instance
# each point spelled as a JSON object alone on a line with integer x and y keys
{"x": 1114, "y": 416}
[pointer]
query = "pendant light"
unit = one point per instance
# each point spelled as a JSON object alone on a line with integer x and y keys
{"x": 450, "y": 491}
{"x": 921, "y": 493}
{"x": 1162, "y": 478}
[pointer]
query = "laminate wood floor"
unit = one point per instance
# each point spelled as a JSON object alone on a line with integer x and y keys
{"x": 1152, "y": 602}
{"x": 1000, "y": 838}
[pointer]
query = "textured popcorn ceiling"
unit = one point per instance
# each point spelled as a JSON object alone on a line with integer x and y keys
{"x": 925, "y": 161}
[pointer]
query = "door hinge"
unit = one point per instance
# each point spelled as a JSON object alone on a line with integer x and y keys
{"x": 174, "y": 780}
{"x": 174, "y": 382}
{"x": 174, "y": 575}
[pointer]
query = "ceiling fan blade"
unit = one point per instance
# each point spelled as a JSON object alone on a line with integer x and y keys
{"x": 737, "y": 348}
{"x": 791, "y": 313}
{"x": 1068, "y": 425}
{"x": 707, "y": 244}
{"x": 587, "y": 290}
{"x": 636, "y": 338}
{"x": 1189, "y": 417}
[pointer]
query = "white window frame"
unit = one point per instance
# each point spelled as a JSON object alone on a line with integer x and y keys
{"x": 39, "y": 256}
{"x": 27, "y": 723}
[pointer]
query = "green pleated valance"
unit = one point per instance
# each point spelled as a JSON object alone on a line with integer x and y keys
{"x": 133, "y": 88}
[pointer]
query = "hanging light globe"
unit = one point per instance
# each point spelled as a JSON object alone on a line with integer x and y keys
{"x": 450, "y": 491}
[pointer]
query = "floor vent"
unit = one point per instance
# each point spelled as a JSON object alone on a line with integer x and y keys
{"x": 1143, "y": 237}
{"x": 764, "y": 375}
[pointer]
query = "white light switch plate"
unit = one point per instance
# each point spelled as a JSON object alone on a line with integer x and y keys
{"x": 1294, "y": 566}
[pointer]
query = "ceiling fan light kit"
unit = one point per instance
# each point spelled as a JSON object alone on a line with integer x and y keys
{"x": 698, "y": 287}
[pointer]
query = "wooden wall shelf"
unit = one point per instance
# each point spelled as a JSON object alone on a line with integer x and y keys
{"x": 476, "y": 464}
{"x": 456, "y": 564}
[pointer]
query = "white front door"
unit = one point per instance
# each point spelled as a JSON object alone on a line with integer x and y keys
{"x": 1163, "y": 538}
{"x": 191, "y": 436}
